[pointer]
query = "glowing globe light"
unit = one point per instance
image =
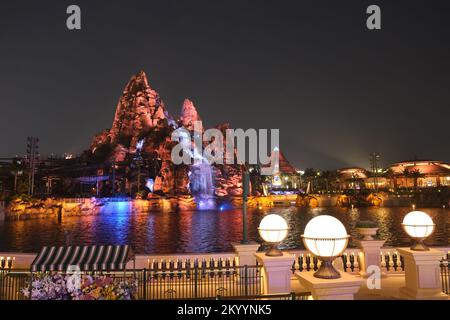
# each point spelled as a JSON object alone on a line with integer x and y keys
{"x": 418, "y": 225}
{"x": 326, "y": 238}
{"x": 273, "y": 229}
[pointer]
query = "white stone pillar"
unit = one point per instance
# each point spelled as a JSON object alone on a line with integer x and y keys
{"x": 422, "y": 274}
{"x": 277, "y": 272}
{"x": 246, "y": 253}
{"x": 370, "y": 255}
{"x": 343, "y": 288}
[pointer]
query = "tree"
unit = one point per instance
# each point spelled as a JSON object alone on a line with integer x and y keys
{"x": 391, "y": 175}
{"x": 103, "y": 152}
{"x": 310, "y": 175}
{"x": 416, "y": 174}
{"x": 329, "y": 178}
{"x": 406, "y": 175}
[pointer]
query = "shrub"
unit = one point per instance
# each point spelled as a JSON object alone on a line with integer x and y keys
{"x": 366, "y": 224}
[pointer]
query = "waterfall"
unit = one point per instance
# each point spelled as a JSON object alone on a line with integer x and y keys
{"x": 201, "y": 185}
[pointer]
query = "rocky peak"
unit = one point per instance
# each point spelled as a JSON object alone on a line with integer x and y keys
{"x": 139, "y": 109}
{"x": 189, "y": 114}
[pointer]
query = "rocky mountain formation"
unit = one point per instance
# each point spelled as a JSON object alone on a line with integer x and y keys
{"x": 143, "y": 124}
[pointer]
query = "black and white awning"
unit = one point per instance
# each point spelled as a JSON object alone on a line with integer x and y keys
{"x": 86, "y": 258}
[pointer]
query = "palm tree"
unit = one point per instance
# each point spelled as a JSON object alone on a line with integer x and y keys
{"x": 392, "y": 176}
{"x": 416, "y": 174}
{"x": 309, "y": 176}
{"x": 406, "y": 175}
{"x": 329, "y": 177}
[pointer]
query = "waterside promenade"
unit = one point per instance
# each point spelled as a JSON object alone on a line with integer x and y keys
{"x": 247, "y": 273}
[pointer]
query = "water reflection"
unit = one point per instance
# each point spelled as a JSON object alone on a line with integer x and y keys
{"x": 202, "y": 231}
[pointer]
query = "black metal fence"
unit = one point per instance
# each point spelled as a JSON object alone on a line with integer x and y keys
{"x": 200, "y": 279}
{"x": 12, "y": 283}
{"x": 168, "y": 280}
{"x": 445, "y": 275}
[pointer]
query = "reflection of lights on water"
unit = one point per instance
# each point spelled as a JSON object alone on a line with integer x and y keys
{"x": 206, "y": 204}
{"x": 118, "y": 207}
{"x": 225, "y": 207}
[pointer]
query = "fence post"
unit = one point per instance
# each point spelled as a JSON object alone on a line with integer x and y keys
{"x": 2, "y": 286}
{"x": 195, "y": 281}
{"x": 422, "y": 274}
{"x": 246, "y": 253}
{"x": 277, "y": 273}
{"x": 246, "y": 280}
{"x": 144, "y": 280}
{"x": 369, "y": 255}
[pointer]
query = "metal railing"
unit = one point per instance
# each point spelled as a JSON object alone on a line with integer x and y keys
{"x": 200, "y": 279}
{"x": 12, "y": 283}
{"x": 445, "y": 274}
{"x": 167, "y": 281}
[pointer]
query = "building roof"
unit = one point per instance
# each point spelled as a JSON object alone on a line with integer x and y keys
{"x": 352, "y": 173}
{"x": 87, "y": 258}
{"x": 285, "y": 166}
{"x": 428, "y": 167}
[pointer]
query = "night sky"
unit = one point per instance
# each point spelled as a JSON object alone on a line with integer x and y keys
{"x": 336, "y": 90}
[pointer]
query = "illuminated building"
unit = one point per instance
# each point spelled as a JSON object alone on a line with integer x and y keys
{"x": 358, "y": 178}
{"x": 420, "y": 174}
{"x": 286, "y": 178}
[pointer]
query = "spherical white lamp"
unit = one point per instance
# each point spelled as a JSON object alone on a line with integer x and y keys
{"x": 326, "y": 237}
{"x": 418, "y": 225}
{"x": 273, "y": 229}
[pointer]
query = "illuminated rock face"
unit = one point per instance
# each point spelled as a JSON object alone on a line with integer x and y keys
{"x": 141, "y": 119}
{"x": 189, "y": 115}
{"x": 99, "y": 139}
{"x": 139, "y": 109}
{"x": 228, "y": 178}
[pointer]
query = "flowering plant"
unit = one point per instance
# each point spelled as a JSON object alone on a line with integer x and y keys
{"x": 47, "y": 287}
{"x": 59, "y": 287}
{"x": 103, "y": 288}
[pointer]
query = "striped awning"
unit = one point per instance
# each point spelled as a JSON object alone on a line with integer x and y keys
{"x": 86, "y": 258}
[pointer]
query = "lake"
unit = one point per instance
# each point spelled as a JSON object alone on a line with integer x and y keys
{"x": 198, "y": 231}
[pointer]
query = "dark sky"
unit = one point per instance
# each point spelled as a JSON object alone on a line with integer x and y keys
{"x": 336, "y": 90}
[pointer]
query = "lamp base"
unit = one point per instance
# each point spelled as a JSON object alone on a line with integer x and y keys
{"x": 327, "y": 271}
{"x": 419, "y": 245}
{"x": 274, "y": 251}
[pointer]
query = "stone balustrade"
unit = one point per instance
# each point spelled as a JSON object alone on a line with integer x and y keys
{"x": 305, "y": 261}
{"x": 279, "y": 273}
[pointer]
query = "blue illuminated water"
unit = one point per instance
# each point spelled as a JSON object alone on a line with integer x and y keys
{"x": 198, "y": 231}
